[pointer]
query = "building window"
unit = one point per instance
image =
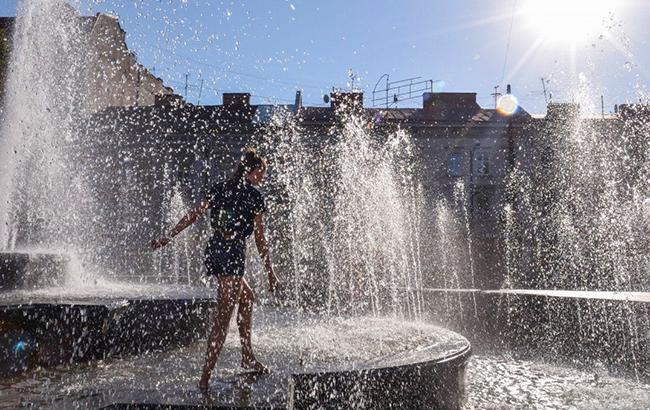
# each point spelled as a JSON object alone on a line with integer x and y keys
{"x": 482, "y": 163}
{"x": 482, "y": 200}
{"x": 455, "y": 165}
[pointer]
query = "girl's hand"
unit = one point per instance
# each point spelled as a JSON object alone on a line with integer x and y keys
{"x": 273, "y": 282}
{"x": 155, "y": 244}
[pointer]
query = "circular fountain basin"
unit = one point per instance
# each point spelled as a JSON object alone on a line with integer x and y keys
{"x": 104, "y": 292}
{"x": 72, "y": 324}
{"x": 316, "y": 362}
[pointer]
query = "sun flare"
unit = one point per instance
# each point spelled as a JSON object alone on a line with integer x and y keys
{"x": 569, "y": 21}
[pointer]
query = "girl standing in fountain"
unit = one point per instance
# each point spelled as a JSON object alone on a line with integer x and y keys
{"x": 237, "y": 210}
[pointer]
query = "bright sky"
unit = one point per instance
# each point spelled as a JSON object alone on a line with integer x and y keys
{"x": 271, "y": 48}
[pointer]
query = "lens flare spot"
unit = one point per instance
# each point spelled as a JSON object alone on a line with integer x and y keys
{"x": 507, "y": 105}
{"x": 20, "y": 347}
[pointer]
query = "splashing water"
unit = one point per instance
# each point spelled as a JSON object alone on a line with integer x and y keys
{"x": 352, "y": 209}
{"x": 45, "y": 202}
{"x": 177, "y": 253}
{"x": 581, "y": 227}
{"x": 576, "y": 222}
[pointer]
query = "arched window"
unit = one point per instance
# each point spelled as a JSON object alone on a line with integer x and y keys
{"x": 481, "y": 163}
{"x": 455, "y": 164}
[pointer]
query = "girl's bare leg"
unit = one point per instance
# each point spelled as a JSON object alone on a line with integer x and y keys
{"x": 229, "y": 290}
{"x": 245, "y": 324}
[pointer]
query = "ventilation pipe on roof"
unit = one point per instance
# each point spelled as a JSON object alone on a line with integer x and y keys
{"x": 237, "y": 99}
{"x": 297, "y": 105}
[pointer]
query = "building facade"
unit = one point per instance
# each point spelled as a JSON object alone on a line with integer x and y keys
{"x": 463, "y": 154}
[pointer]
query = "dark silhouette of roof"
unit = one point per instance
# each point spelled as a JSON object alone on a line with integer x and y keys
{"x": 7, "y": 26}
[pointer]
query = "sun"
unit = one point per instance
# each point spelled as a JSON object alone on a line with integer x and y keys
{"x": 570, "y": 21}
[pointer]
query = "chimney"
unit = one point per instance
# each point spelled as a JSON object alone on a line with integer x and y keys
{"x": 346, "y": 101}
{"x": 237, "y": 100}
{"x": 562, "y": 111}
{"x": 634, "y": 111}
{"x": 297, "y": 105}
{"x": 450, "y": 102}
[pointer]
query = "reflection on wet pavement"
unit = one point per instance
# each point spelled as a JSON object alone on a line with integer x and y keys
{"x": 493, "y": 382}
{"x": 502, "y": 382}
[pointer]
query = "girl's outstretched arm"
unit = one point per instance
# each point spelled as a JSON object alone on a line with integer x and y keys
{"x": 186, "y": 221}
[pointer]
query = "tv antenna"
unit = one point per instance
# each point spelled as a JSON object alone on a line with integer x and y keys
{"x": 496, "y": 94}
{"x": 353, "y": 77}
{"x": 546, "y": 97}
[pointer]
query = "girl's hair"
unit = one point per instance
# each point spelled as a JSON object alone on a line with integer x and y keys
{"x": 250, "y": 161}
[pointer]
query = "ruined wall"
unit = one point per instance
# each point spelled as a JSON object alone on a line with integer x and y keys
{"x": 115, "y": 77}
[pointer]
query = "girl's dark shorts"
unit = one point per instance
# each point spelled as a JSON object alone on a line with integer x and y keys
{"x": 225, "y": 257}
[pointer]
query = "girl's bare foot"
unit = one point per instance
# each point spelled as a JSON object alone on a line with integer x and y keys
{"x": 253, "y": 364}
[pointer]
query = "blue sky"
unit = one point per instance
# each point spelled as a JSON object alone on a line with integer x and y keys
{"x": 271, "y": 48}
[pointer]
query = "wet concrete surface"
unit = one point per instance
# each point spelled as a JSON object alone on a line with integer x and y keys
{"x": 294, "y": 344}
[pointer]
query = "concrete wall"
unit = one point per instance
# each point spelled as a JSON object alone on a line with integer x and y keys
{"x": 467, "y": 166}
{"x": 600, "y": 329}
{"x": 154, "y": 165}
